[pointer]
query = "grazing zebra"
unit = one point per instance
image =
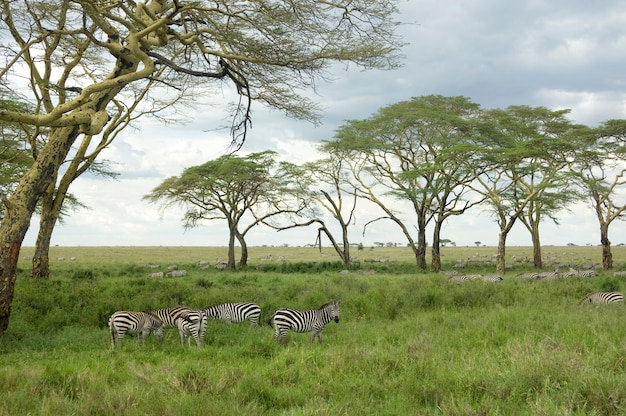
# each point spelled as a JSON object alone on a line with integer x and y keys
{"x": 582, "y": 273}
{"x": 549, "y": 275}
{"x": 603, "y": 297}
{"x": 464, "y": 278}
{"x": 138, "y": 324}
{"x": 492, "y": 278}
{"x": 304, "y": 321}
{"x": 235, "y": 312}
{"x": 532, "y": 275}
{"x": 188, "y": 322}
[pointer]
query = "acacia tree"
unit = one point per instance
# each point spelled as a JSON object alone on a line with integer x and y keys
{"x": 400, "y": 152}
{"x": 81, "y": 54}
{"x": 330, "y": 173}
{"x": 552, "y": 143}
{"x": 229, "y": 188}
{"x": 599, "y": 167}
{"x": 523, "y": 152}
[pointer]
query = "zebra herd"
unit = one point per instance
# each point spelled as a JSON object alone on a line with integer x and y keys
{"x": 556, "y": 274}
{"x": 597, "y": 298}
{"x": 193, "y": 323}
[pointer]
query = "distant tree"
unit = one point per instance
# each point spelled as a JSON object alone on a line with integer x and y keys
{"x": 521, "y": 155}
{"x": 600, "y": 169}
{"x": 78, "y": 56}
{"x": 477, "y": 243}
{"x": 544, "y": 171}
{"x": 232, "y": 188}
{"x": 399, "y": 155}
{"x": 327, "y": 188}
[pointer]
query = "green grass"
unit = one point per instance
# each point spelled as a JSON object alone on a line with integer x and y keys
{"x": 407, "y": 341}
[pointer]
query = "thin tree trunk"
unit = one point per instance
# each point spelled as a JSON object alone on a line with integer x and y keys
{"x": 243, "y": 260}
{"x": 231, "y": 249}
{"x": 41, "y": 257}
{"x": 538, "y": 262}
{"x": 607, "y": 256}
{"x": 346, "y": 246}
{"x": 435, "y": 264}
{"x": 421, "y": 244}
{"x": 501, "y": 255}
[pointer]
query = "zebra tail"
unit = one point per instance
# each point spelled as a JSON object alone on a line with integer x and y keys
{"x": 269, "y": 321}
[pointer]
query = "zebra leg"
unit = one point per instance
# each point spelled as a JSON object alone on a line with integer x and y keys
{"x": 283, "y": 337}
{"x": 116, "y": 339}
{"x": 318, "y": 335}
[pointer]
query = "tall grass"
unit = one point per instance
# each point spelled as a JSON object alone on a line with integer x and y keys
{"x": 407, "y": 342}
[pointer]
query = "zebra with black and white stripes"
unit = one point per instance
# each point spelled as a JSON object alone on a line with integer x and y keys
{"x": 188, "y": 321}
{"x": 139, "y": 324}
{"x": 235, "y": 312}
{"x": 494, "y": 278}
{"x": 585, "y": 274}
{"x": 464, "y": 278}
{"x": 603, "y": 298}
{"x": 312, "y": 321}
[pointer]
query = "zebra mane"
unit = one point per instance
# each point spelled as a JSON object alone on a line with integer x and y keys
{"x": 324, "y": 306}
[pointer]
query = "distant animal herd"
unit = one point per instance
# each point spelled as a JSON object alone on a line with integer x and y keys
{"x": 193, "y": 323}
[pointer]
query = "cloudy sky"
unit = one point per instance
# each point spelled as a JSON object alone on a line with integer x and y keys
{"x": 558, "y": 54}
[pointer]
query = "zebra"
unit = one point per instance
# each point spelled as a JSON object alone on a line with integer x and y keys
{"x": 134, "y": 323}
{"x": 188, "y": 322}
{"x": 492, "y": 278}
{"x": 235, "y": 312}
{"x": 603, "y": 297}
{"x": 464, "y": 278}
{"x": 582, "y": 273}
{"x": 304, "y": 321}
{"x": 532, "y": 276}
{"x": 549, "y": 275}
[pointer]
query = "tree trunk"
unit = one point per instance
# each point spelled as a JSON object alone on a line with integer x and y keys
{"x": 20, "y": 208}
{"x": 421, "y": 244}
{"x": 41, "y": 257}
{"x": 346, "y": 246}
{"x": 243, "y": 260}
{"x": 500, "y": 258}
{"x": 435, "y": 264}
{"x": 538, "y": 262}
{"x": 12, "y": 233}
{"x": 607, "y": 256}
{"x": 231, "y": 249}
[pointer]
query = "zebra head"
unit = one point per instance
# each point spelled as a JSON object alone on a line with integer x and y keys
{"x": 332, "y": 308}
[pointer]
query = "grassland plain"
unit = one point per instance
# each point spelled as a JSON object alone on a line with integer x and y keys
{"x": 408, "y": 342}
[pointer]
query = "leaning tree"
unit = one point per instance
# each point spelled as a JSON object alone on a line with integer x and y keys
{"x": 73, "y": 58}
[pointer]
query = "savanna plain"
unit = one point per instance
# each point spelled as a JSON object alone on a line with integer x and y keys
{"x": 407, "y": 343}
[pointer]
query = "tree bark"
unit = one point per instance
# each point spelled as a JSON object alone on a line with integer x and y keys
{"x": 49, "y": 216}
{"x": 435, "y": 264}
{"x": 421, "y": 243}
{"x": 243, "y": 260}
{"x": 538, "y": 262}
{"x": 607, "y": 256}
{"x": 230, "y": 265}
